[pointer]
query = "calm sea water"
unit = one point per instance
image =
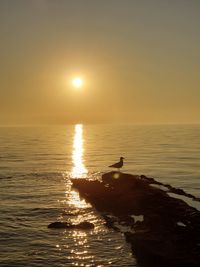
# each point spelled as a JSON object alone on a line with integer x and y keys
{"x": 35, "y": 165}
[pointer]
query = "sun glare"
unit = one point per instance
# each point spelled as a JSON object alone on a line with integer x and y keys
{"x": 77, "y": 82}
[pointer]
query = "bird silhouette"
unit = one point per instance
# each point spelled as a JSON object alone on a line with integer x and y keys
{"x": 118, "y": 165}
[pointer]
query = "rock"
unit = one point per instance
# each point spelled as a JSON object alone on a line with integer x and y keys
{"x": 58, "y": 225}
{"x": 110, "y": 222}
{"x": 151, "y": 249}
{"x": 82, "y": 225}
{"x": 157, "y": 240}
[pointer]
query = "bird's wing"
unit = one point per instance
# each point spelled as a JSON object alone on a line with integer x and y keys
{"x": 110, "y": 166}
{"x": 114, "y": 165}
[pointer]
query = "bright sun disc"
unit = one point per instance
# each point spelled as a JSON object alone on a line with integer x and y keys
{"x": 77, "y": 82}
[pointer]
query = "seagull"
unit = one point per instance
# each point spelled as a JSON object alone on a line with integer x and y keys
{"x": 118, "y": 165}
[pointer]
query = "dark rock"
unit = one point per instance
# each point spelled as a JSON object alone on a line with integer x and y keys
{"x": 152, "y": 249}
{"x": 158, "y": 240}
{"x": 111, "y": 222}
{"x": 58, "y": 225}
{"x": 83, "y": 225}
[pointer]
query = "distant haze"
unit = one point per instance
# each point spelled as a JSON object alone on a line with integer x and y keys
{"x": 140, "y": 61}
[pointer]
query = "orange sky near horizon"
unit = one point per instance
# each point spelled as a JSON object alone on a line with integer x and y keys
{"x": 139, "y": 61}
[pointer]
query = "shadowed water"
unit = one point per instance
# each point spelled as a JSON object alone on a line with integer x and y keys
{"x": 35, "y": 166}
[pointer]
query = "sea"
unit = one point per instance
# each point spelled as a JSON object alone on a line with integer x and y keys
{"x": 36, "y": 168}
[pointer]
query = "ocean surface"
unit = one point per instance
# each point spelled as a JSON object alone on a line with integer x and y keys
{"x": 36, "y": 164}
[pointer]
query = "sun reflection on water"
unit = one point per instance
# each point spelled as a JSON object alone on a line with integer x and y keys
{"x": 75, "y": 201}
{"x": 80, "y": 246}
{"x": 79, "y": 170}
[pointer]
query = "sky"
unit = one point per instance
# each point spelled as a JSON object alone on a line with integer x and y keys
{"x": 139, "y": 61}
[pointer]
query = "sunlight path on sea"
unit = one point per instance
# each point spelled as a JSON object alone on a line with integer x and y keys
{"x": 98, "y": 247}
{"x": 79, "y": 170}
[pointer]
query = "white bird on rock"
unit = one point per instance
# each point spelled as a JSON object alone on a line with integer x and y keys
{"x": 118, "y": 165}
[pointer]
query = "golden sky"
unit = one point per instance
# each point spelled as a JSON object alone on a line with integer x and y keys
{"x": 139, "y": 61}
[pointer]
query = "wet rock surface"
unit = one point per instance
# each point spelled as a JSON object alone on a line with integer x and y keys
{"x": 82, "y": 225}
{"x": 169, "y": 232}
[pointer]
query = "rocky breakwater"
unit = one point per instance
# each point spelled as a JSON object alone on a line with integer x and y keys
{"x": 168, "y": 233}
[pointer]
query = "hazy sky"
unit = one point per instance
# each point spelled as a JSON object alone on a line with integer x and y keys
{"x": 140, "y": 61}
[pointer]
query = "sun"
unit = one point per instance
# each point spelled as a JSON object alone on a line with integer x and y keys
{"x": 77, "y": 82}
